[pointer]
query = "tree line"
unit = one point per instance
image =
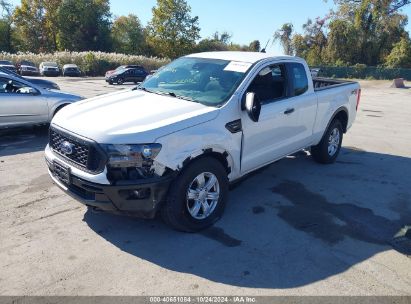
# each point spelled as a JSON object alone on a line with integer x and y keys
{"x": 366, "y": 32}
{"x": 40, "y": 26}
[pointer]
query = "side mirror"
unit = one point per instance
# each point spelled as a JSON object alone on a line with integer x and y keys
{"x": 253, "y": 106}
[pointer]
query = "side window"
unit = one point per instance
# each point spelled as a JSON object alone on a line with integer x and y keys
{"x": 10, "y": 86}
{"x": 270, "y": 84}
{"x": 300, "y": 79}
{"x": 3, "y": 85}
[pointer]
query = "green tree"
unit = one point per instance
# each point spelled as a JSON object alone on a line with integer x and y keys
{"x": 210, "y": 45}
{"x": 400, "y": 56}
{"x": 299, "y": 45}
{"x": 284, "y": 35}
{"x": 5, "y": 26}
{"x": 172, "y": 31}
{"x": 128, "y": 35}
{"x": 84, "y": 25}
{"x": 379, "y": 26}
{"x": 29, "y": 18}
{"x": 255, "y": 46}
{"x": 342, "y": 44}
{"x": 36, "y": 25}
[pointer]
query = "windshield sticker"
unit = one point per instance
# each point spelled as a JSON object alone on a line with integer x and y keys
{"x": 240, "y": 67}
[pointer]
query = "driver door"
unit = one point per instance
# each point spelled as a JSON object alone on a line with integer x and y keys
{"x": 287, "y": 115}
{"x": 20, "y": 108}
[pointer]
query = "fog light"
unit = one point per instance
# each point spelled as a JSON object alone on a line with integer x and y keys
{"x": 142, "y": 193}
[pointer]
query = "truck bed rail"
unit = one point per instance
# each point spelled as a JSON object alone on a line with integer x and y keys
{"x": 328, "y": 83}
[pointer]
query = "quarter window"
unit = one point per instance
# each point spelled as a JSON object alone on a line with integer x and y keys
{"x": 300, "y": 79}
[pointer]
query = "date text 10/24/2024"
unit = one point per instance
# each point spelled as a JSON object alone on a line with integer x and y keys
{"x": 203, "y": 299}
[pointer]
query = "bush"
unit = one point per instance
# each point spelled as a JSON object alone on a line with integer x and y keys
{"x": 361, "y": 71}
{"x": 91, "y": 63}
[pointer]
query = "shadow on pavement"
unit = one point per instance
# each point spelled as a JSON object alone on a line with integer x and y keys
{"x": 291, "y": 224}
{"x": 23, "y": 140}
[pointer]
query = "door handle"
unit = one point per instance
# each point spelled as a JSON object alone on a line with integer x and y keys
{"x": 289, "y": 111}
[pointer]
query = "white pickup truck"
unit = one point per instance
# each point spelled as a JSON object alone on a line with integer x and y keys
{"x": 174, "y": 143}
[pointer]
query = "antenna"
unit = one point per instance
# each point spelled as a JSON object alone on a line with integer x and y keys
{"x": 264, "y": 49}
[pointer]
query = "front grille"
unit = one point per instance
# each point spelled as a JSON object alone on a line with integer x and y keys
{"x": 84, "y": 155}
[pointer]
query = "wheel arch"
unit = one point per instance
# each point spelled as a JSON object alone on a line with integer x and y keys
{"x": 220, "y": 155}
{"x": 58, "y": 107}
{"x": 342, "y": 115}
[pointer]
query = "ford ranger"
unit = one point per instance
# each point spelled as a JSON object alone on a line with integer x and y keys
{"x": 174, "y": 143}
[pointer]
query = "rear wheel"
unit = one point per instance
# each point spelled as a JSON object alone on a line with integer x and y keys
{"x": 197, "y": 198}
{"x": 326, "y": 152}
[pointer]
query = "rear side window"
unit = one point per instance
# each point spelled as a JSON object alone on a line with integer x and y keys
{"x": 300, "y": 79}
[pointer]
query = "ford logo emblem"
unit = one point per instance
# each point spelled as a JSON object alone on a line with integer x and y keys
{"x": 66, "y": 147}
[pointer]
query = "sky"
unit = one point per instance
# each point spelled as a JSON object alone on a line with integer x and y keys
{"x": 245, "y": 20}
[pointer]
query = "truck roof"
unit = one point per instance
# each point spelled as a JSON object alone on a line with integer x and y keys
{"x": 249, "y": 57}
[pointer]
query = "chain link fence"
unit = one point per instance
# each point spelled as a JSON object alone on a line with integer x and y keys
{"x": 364, "y": 72}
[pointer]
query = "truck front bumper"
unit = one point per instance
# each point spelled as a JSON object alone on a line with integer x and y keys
{"x": 140, "y": 199}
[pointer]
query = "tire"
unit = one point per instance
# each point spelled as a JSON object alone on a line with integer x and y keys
{"x": 326, "y": 152}
{"x": 120, "y": 81}
{"x": 176, "y": 211}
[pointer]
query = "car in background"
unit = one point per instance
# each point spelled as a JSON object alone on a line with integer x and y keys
{"x": 27, "y": 68}
{"x": 128, "y": 75}
{"x": 71, "y": 70}
{"x": 122, "y": 67}
{"x": 315, "y": 72}
{"x": 23, "y": 103}
{"x": 7, "y": 64}
{"x": 45, "y": 84}
{"x": 49, "y": 69}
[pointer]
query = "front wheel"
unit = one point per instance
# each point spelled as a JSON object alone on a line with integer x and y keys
{"x": 120, "y": 81}
{"x": 197, "y": 198}
{"x": 326, "y": 152}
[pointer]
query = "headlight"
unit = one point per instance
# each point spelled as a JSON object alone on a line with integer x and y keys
{"x": 127, "y": 156}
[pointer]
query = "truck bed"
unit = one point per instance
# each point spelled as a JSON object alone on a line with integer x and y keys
{"x": 321, "y": 84}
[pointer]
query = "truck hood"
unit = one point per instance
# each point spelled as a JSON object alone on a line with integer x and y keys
{"x": 131, "y": 117}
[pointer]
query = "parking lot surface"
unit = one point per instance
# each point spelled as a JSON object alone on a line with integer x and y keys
{"x": 292, "y": 228}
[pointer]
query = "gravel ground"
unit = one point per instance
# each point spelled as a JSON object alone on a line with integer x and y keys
{"x": 292, "y": 228}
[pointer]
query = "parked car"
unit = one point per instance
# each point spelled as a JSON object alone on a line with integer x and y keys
{"x": 315, "y": 72}
{"x": 8, "y": 65}
{"x": 128, "y": 75}
{"x": 122, "y": 67}
{"x": 176, "y": 142}
{"x": 23, "y": 103}
{"x": 42, "y": 83}
{"x": 49, "y": 69}
{"x": 27, "y": 68}
{"x": 71, "y": 70}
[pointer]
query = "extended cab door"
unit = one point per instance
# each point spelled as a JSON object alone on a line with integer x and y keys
{"x": 288, "y": 113}
{"x": 19, "y": 105}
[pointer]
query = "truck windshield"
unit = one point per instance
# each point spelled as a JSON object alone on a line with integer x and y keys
{"x": 207, "y": 81}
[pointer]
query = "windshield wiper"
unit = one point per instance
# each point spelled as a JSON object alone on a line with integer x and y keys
{"x": 142, "y": 89}
{"x": 172, "y": 94}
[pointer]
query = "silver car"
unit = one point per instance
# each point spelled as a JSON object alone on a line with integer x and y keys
{"x": 23, "y": 103}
